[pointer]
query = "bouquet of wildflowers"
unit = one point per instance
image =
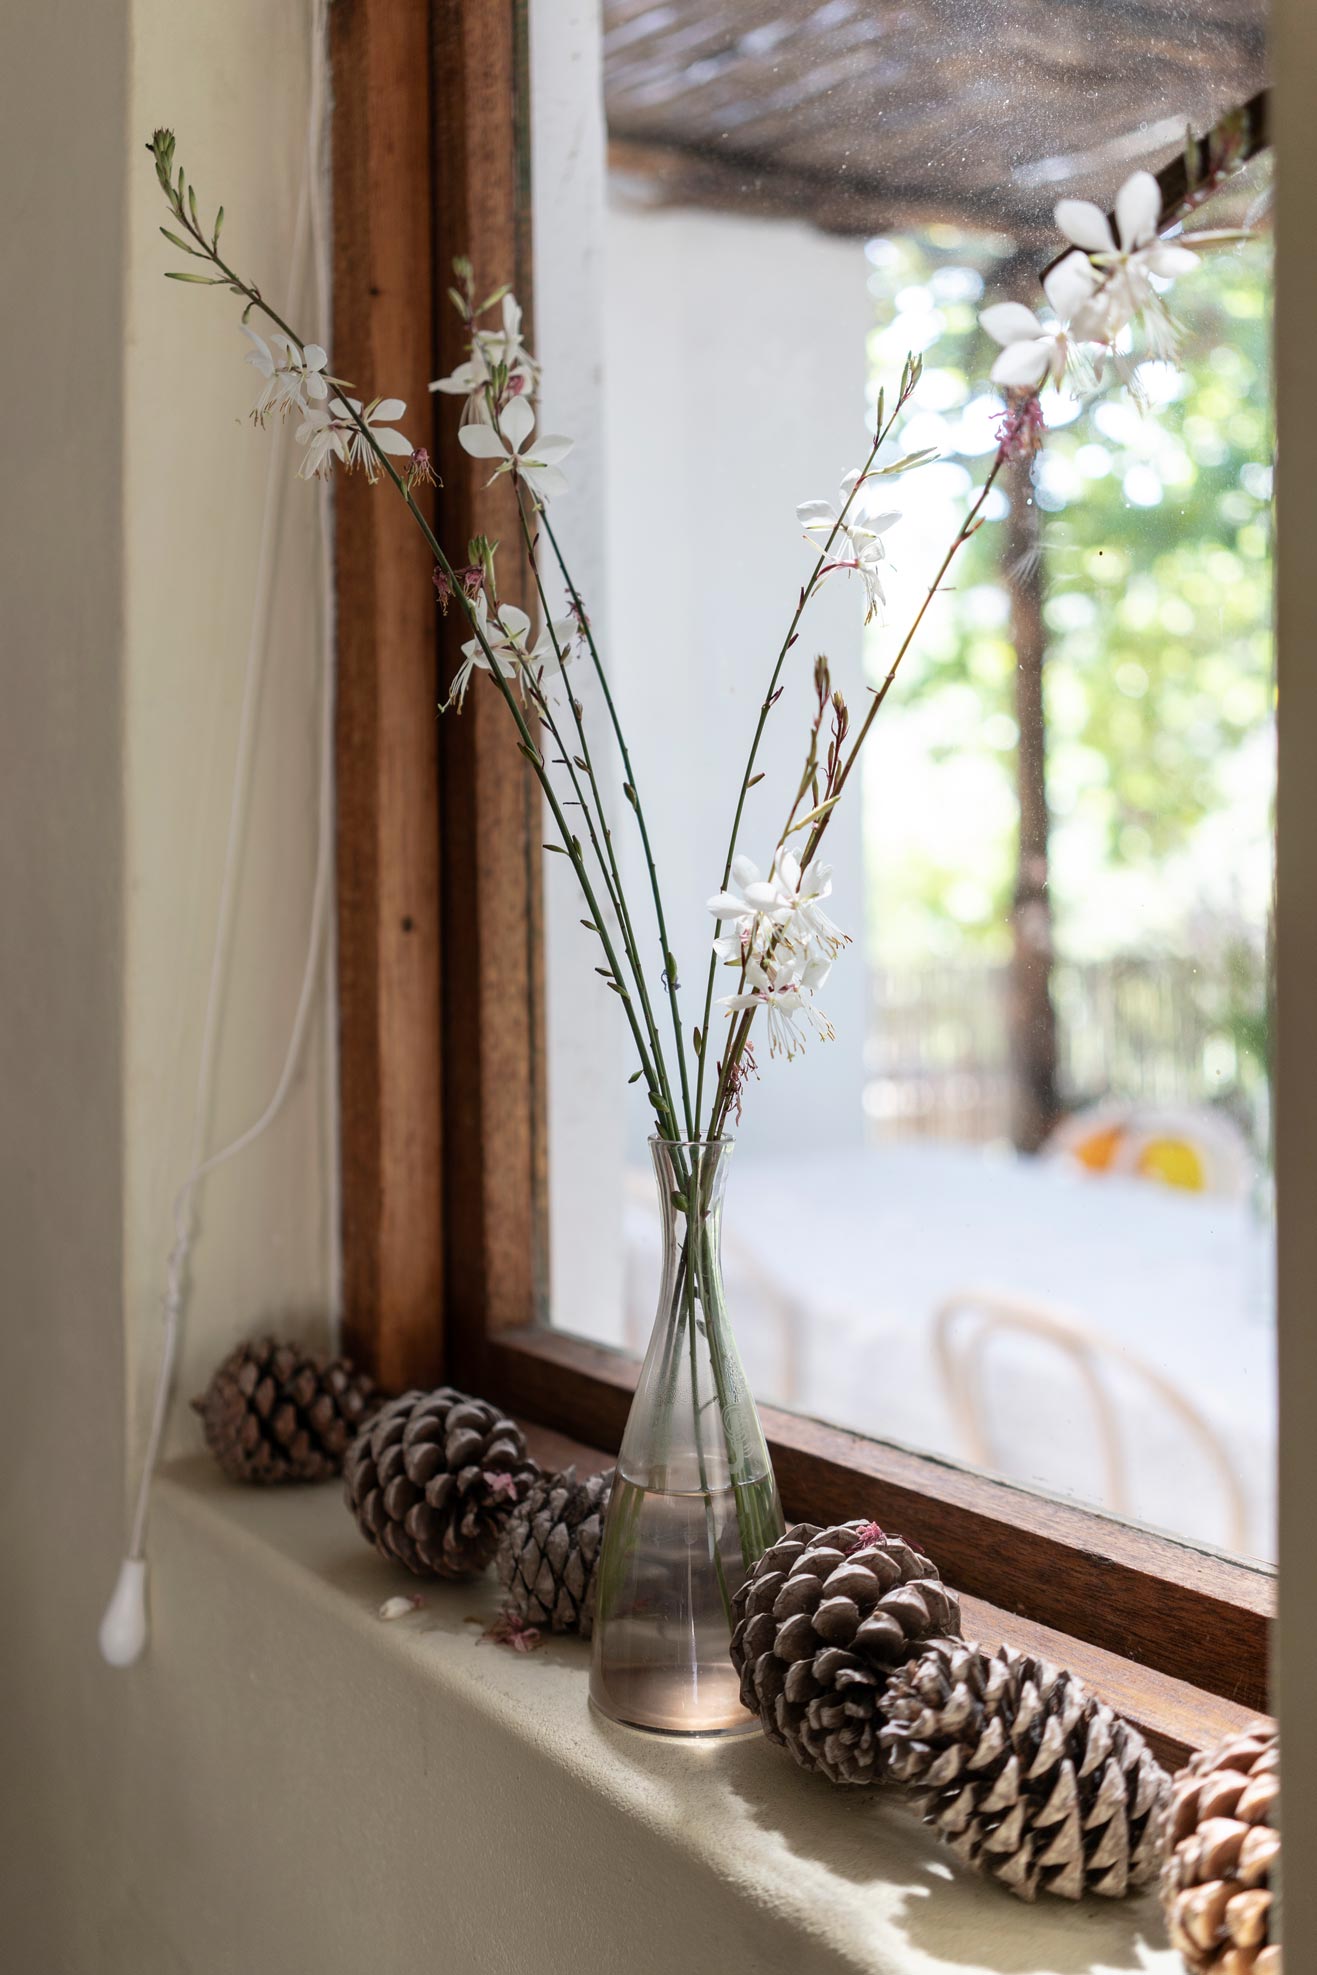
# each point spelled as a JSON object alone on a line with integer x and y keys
{"x": 775, "y": 940}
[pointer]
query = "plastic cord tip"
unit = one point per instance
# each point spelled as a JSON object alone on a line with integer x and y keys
{"x": 124, "y": 1629}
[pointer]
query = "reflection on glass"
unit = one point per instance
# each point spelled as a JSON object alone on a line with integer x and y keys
{"x": 1020, "y": 1211}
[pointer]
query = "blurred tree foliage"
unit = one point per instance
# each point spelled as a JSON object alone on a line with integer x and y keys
{"x": 1159, "y": 678}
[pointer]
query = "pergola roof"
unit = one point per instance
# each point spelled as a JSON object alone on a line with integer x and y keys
{"x": 872, "y": 115}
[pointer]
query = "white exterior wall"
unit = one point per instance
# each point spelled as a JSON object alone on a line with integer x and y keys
{"x": 732, "y": 359}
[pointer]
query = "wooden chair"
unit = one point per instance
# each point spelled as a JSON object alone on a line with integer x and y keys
{"x": 960, "y": 1347}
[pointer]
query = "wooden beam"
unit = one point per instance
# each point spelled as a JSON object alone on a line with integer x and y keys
{"x": 491, "y": 824}
{"x": 388, "y": 798}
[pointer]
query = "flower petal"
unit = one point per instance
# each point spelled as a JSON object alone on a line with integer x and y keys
{"x": 517, "y": 420}
{"x": 1169, "y": 258}
{"x": 388, "y": 411}
{"x": 1069, "y": 284}
{"x": 547, "y": 481}
{"x": 481, "y": 441}
{"x": 551, "y": 448}
{"x": 314, "y": 357}
{"x": 390, "y": 441}
{"x": 1086, "y": 224}
{"x": 811, "y": 513}
{"x": 1138, "y": 208}
{"x": 1023, "y": 365}
{"x": 1010, "y": 322}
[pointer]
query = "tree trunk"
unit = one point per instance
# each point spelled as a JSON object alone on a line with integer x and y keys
{"x": 1034, "y": 1106}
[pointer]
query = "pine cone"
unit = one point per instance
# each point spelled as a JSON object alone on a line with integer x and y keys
{"x": 549, "y": 1549}
{"x": 1026, "y": 1774}
{"x": 433, "y": 1478}
{"x": 1220, "y": 1850}
{"x": 826, "y": 1616}
{"x": 275, "y": 1412}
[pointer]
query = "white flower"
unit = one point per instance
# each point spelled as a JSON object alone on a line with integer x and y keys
{"x": 331, "y": 432}
{"x": 507, "y": 635}
{"x": 786, "y": 995}
{"x": 809, "y": 925}
{"x": 290, "y": 376}
{"x": 782, "y": 911}
{"x": 856, "y": 541}
{"x": 1126, "y": 259}
{"x": 379, "y": 417}
{"x": 510, "y": 444}
{"x": 326, "y": 438}
{"x": 492, "y": 349}
{"x": 1033, "y": 350}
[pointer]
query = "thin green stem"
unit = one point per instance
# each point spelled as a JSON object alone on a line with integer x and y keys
{"x": 617, "y": 891}
{"x": 770, "y": 698}
{"x": 741, "y": 1032}
{"x": 670, "y": 971}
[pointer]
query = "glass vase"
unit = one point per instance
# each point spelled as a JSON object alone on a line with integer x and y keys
{"x": 694, "y": 1503}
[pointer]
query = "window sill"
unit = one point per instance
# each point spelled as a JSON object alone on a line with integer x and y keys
{"x": 455, "y": 1792}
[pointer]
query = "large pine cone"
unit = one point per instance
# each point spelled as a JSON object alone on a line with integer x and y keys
{"x": 1220, "y": 1850}
{"x": 1026, "y": 1774}
{"x": 826, "y": 1616}
{"x": 549, "y": 1549}
{"x": 274, "y": 1412}
{"x": 433, "y": 1479}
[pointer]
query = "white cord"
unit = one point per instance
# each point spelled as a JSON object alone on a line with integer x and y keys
{"x": 124, "y": 1628}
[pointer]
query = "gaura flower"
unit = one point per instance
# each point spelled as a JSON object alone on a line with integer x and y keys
{"x": 510, "y": 443}
{"x": 786, "y": 995}
{"x": 325, "y": 435}
{"x": 492, "y": 350}
{"x": 290, "y": 377}
{"x": 1125, "y": 259}
{"x": 331, "y": 432}
{"x": 507, "y": 633}
{"x": 379, "y": 416}
{"x": 782, "y": 911}
{"x": 857, "y": 544}
{"x": 1033, "y": 351}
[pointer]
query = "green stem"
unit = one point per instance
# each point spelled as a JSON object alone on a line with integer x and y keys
{"x": 633, "y": 798}
{"x": 741, "y": 1033}
{"x": 617, "y": 891}
{"x": 766, "y": 708}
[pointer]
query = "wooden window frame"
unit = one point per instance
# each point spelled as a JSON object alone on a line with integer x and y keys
{"x": 440, "y": 967}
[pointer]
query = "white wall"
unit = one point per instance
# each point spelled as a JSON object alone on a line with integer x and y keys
{"x": 128, "y": 541}
{"x": 712, "y": 371}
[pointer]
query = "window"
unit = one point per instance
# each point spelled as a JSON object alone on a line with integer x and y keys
{"x": 460, "y": 1152}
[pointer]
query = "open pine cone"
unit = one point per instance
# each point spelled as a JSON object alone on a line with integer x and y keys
{"x": 822, "y": 1622}
{"x": 1220, "y": 1850}
{"x": 1026, "y": 1774}
{"x": 433, "y": 1479}
{"x": 550, "y": 1547}
{"x": 275, "y": 1412}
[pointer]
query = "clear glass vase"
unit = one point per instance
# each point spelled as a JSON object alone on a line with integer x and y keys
{"x": 694, "y": 1505}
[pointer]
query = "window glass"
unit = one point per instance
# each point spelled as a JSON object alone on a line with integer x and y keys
{"x": 1019, "y": 1211}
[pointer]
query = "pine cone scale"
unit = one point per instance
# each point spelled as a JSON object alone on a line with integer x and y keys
{"x": 1220, "y": 1849}
{"x": 826, "y": 1616}
{"x": 1024, "y": 1773}
{"x": 550, "y": 1549}
{"x": 433, "y": 1479}
{"x": 275, "y": 1413}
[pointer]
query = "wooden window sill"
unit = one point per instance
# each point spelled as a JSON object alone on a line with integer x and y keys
{"x": 1127, "y": 1611}
{"x": 485, "y": 1806}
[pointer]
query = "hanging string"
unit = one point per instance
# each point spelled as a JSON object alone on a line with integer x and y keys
{"x": 124, "y": 1627}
